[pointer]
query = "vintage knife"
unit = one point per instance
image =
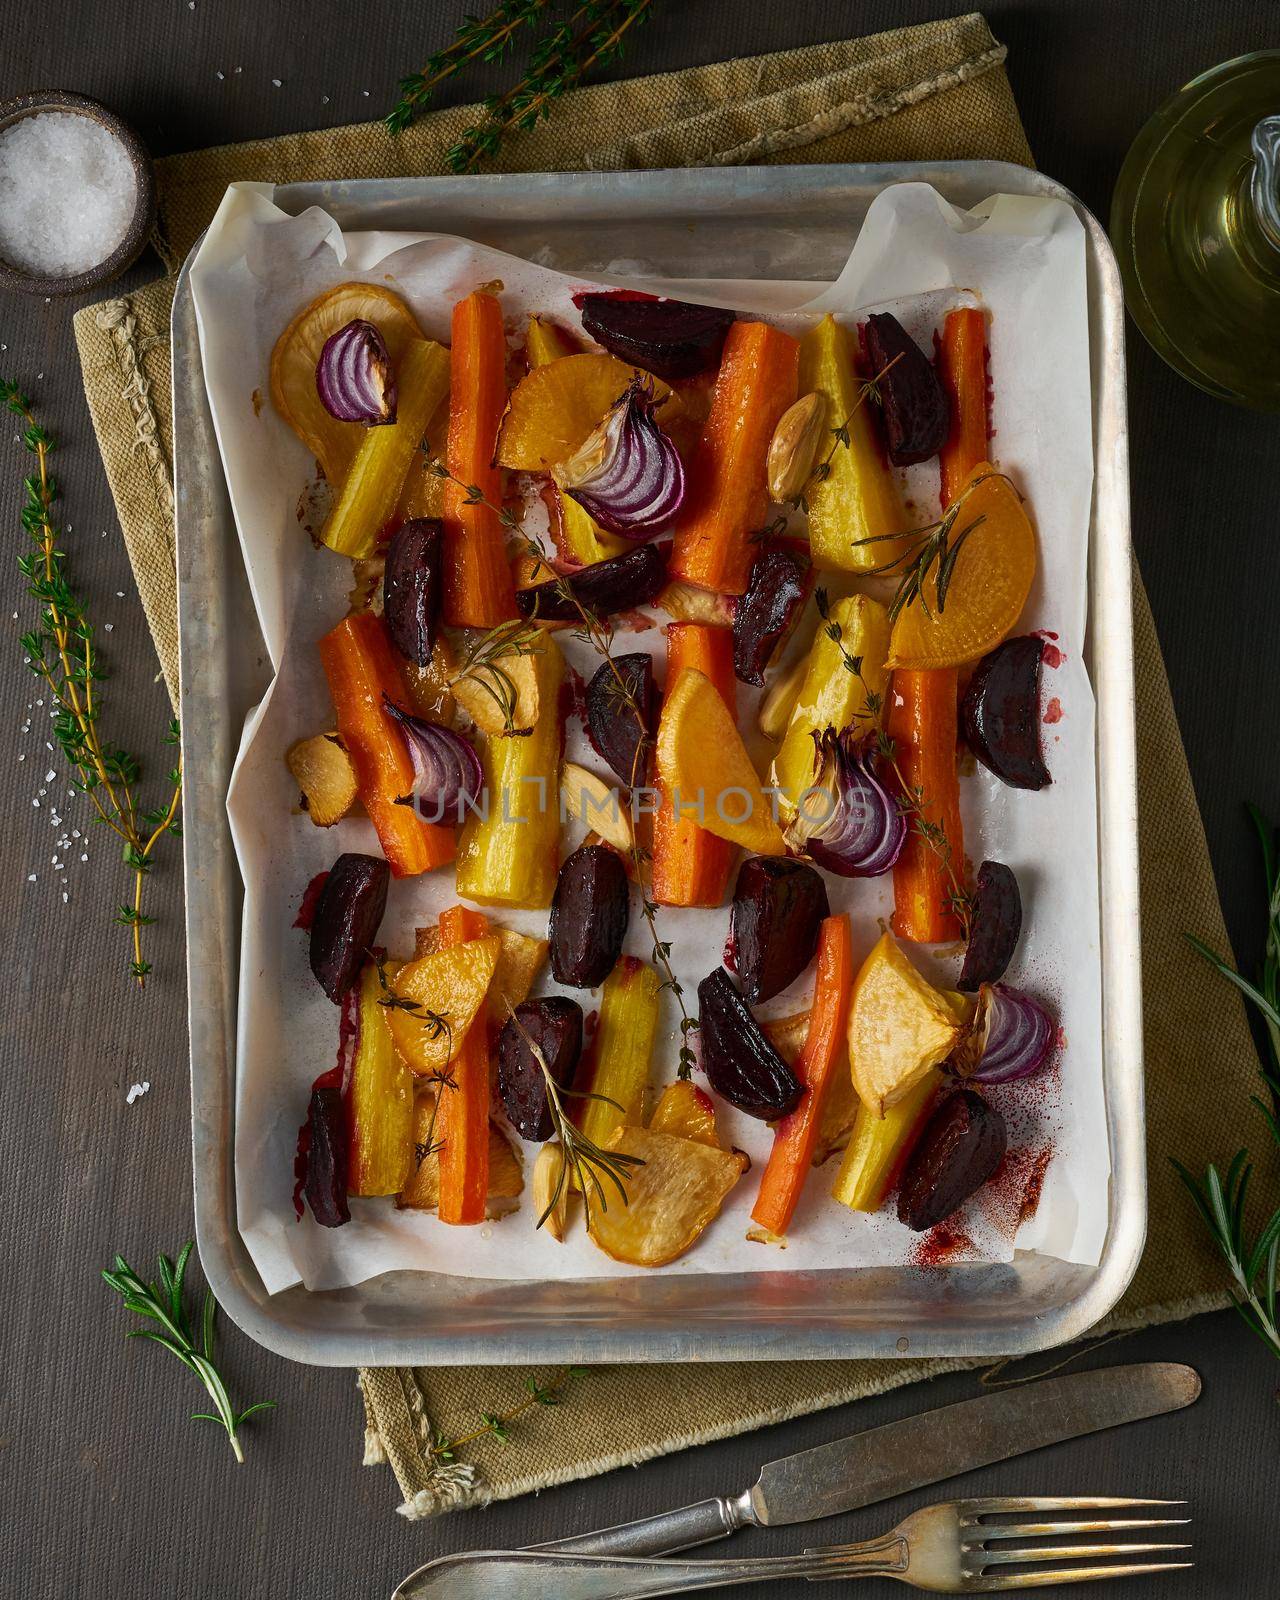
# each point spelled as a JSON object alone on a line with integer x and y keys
{"x": 888, "y": 1461}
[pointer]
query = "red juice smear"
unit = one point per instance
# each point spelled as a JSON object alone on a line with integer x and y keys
{"x": 1053, "y": 711}
{"x": 310, "y": 900}
{"x": 1051, "y": 656}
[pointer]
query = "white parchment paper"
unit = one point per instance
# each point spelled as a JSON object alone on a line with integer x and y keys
{"x": 1024, "y": 260}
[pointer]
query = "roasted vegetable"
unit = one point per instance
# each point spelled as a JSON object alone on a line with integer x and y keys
{"x": 438, "y": 998}
{"x": 900, "y": 1027}
{"x": 995, "y": 921}
{"x": 796, "y": 1136}
{"x": 354, "y": 378}
{"x": 322, "y": 770}
{"x": 552, "y": 1191}
{"x": 793, "y": 449}
{"x": 962, "y": 1144}
{"x": 325, "y": 1184}
{"x": 687, "y": 1112}
{"x": 856, "y": 499}
{"x": 510, "y": 855}
{"x": 462, "y": 1126}
{"x": 879, "y": 1146}
{"x": 857, "y": 828}
{"x": 422, "y": 1189}
{"x": 360, "y": 667}
{"x": 685, "y": 602}
{"x": 367, "y": 496}
{"x": 588, "y": 799}
{"x": 1011, "y": 1037}
{"x": 779, "y": 700}
{"x": 704, "y": 766}
{"x": 778, "y": 908}
{"x": 669, "y": 337}
{"x": 347, "y": 917}
{"x": 671, "y": 1198}
{"x": 411, "y": 588}
{"x": 619, "y": 584}
{"x": 478, "y": 591}
{"x": 622, "y": 1049}
{"x": 962, "y": 369}
{"x": 379, "y": 1100}
{"x": 627, "y": 474}
{"x": 726, "y": 497}
{"x": 612, "y": 723}
{"x": 764, "y": 614}
{"x": 930, "y": 869}
{"x": 832, "y": 696}
{"x": 447, "y": 775}
{"x": 558, "y": 403}
{"x": 520, "y": 960}
{"x": 737, "y": 1057}
{"x": 913, "y": 401}
{"x": 589, "y": 914}
{"x": 1000, "y": 715}
{"x": 691, "y": 865}
{"x": 539, "y": 1033}
{"x": 840, "y": 1104}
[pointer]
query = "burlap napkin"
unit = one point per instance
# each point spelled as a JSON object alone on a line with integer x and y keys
{"x": 932, "y": 92}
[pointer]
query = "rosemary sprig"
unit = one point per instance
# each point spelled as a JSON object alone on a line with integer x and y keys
{"x": 497, "y": 1424}
{"x": 483, "y": 666}
{"x": 928, "y": 547}
{"x": 592, "y": 630}
{"x": 869, "y": 389}
{"x": 60, "y": 652}
{"x": 912, "y": 801}
{"x": 490, "y": 38}
{"x": 1252, "y": 1260}
{"x": 162, "y": 1304}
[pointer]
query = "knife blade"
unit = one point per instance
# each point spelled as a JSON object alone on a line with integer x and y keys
{"x": 883, "y": 1462}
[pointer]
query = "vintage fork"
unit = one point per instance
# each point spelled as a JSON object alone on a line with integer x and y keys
{"x": 952, "y": 1548}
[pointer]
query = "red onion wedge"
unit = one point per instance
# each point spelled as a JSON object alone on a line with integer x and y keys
{"x": 353, "y": 376}
{"x": 848, "y": 822}
{"x": 1011, "y": 1037}
{"x": 627, "y": 474}
{"x": 446, "y": 768}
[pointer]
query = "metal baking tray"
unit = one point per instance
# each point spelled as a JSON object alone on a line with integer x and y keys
{"x": 582, "y": 223}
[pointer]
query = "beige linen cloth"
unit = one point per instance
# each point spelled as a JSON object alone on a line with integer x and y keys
{"x": 933, "y": 92}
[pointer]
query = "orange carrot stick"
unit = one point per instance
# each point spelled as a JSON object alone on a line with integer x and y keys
{"x": 820, "y": 1057}
{"x": 726, "y": 497}
{"x": 462, "y": 1120}
{"x": 930, "y": 870}
{"x": 691, "y": 866}
{"x": 962, "y": 366}
{"x": 361, "y": 667}
{"x": 478, "y": 591}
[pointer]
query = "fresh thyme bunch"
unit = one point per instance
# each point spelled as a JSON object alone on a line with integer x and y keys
{"x": 60, "y": 652}
{"x": 1253, "y": 1259}
{"x": 564, "y": 51}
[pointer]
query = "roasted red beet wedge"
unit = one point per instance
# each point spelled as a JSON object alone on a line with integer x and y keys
{"x": 915, "y": 406}
{"x": 347, "y": 917}
{"x": 764, "y": 614}
{"x": 589, "y": 914}
{"x": 619, "y": 584}
{"x": 995, "y": 923}
{"x": 1000, "y": 713}
{"x": 612, "y": 724}
{"x": 962, "y": 1144}
{"x": 412, "y": 585}
{"x": 552, "y": 1028}
{"x": 778, "y": 907}
{"x": 737, "y": 1057}
{"x": 668, "y": 337}
{"x": 325, "y": 1187}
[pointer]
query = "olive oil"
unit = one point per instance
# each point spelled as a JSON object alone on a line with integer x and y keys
{"x": 1196, "y": 226}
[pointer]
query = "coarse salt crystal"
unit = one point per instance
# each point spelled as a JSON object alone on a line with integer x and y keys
{"x": 136, "y": 1092}
{"x": 68, "y": 192}
{"x": 275, "y": 83}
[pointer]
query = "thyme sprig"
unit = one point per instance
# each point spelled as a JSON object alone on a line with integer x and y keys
{"x": 1253, "y": 1260}
{"x": 162, "y": 1303}
{"x": 873, "y": 700}
{"x": 482, "y": 665}
{"x": 61, "y": 653}
{"x": 563, "y": 53}
{"x": 912, "y": 801}
{"x": 497, "y": 1424}
{"x": 594, "y": 631}
{"x": 435, "y": 1025}
{"x": 869, "y": 389}
{"x": 928, "y": 548}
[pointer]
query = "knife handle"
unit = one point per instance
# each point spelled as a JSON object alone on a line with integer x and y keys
{"x": 670, "y": 1530}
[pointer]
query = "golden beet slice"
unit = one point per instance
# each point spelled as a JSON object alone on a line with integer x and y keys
{"x": 555, "y": 407}
{"x": 687, "y": 1112}
{"x": 439, "y": 997}
{"x": 670, "y": 1199}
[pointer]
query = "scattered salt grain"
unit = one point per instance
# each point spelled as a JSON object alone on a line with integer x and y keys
{"x": 50, "y": 775}
{"x": 107, "y": 627}
{"x": 67, "y": 192}
{"x": 31, "y": 877}
{"x": 220, "y": 76}
{"x": 65, "y": 896}
{"x": 275, "y": 83}
{"x": 136, "y": 1092}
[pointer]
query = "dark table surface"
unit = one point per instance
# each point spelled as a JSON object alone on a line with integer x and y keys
{"x": 109, "y": 1490}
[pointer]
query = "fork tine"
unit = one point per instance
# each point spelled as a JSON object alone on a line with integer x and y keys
{"x": 1077, "y": 1552}
{"x": 999, "y": 1581}
{"x": 982, "y": 1532}
{"x": 994, "y": 1506}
